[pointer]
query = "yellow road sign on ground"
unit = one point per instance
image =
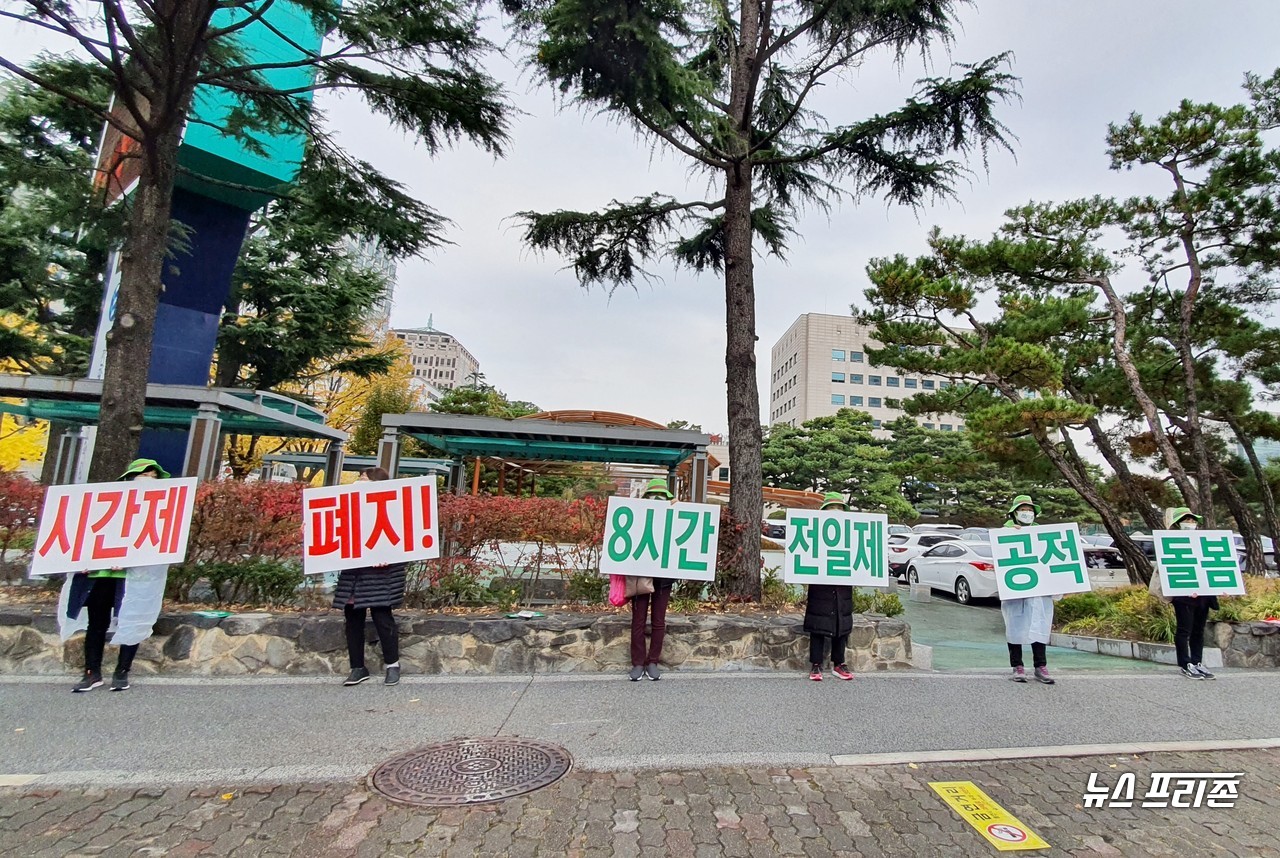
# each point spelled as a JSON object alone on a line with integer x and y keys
{"x": 1001, "y": 828}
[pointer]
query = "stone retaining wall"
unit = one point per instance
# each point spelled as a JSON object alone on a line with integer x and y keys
{"x": 1246, "y": 644}
{"x": 305, "y": 644}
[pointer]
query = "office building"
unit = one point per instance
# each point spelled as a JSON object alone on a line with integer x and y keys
{"x": 820, "y": 365}
{"x": 438, "y": 358}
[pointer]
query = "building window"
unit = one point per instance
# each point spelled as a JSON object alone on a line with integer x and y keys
{"x": 893, "y": 381}
{"x": 873, "y": 402}
{"x": 837, "y": 399}
{"x": 724, "y": 473}
{"x": 945, "y": 427}
{"x": 959, "y": 427}
{"x": 928, "y": 425}
{"x": 837, "y": 376}
{"x": 837, "y": 354}
{"x": 856, "y": 357}
{"x": 909, "y": 382}
{"x": 875, "y": 424}
{"x": 855, "y": 400}
{"x": 875, "y": 380}
{"x": 855, "y": 378}
{"x": 943, "y": 385}
{"x": 927, "y": 384}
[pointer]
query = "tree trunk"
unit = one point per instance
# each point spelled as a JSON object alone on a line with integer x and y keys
{"x": 746, "y": 495}
{"x": 1255, "y": 560}
{"x": 1120, "y": 468}
{"x": 1264, "y": 486}
{"x": 1120, "y": 349}
{"x": 163, "y": 88}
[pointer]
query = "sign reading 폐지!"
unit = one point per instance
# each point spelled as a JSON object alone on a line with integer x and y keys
{"x": 836, "y": 547}
{"x": 98, "y": 526}
{"x": 660, "y": 539}
{"x": 1198, "y": 563}
{"x": 1040, "y": 560}
{"x": 368, "y": 524}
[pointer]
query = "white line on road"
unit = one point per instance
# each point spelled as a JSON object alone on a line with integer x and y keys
{"x": 984, "y": 754}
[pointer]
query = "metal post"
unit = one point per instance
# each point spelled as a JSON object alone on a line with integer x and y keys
{"x": 389, "y": 451}
{"x": 458, "y": 476}
{"x": 699, "y": 474}
{"x": 673, "y": 483}
{"x": 204, "y": 444}
{"x": 475, "y": 478}
{"x": 333, "y": 456}
{"x": 71, "y": 447}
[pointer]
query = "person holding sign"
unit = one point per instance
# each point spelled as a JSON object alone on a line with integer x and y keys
{"x": 828, "y": 615}
{"x": 378, "y": 589}
{"x": 103, "y": 593}
{"x": 644, "y": 663}
{"x": 1191, "y": 612}
{"x": 1028, "y": 620}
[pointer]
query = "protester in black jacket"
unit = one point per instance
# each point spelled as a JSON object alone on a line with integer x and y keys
{"x": 828, "y": 615}
{"x": 379, "y": 589}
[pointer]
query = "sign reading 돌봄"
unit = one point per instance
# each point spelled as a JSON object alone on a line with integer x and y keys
{"x": 96, "y": 526}
{"x": 660, "y": 539}
{"x": 836, "y": 547}
{"x": 368, "y": 524}
{"x": 1198, "y": 563}
{"x": 1040, "y": 560}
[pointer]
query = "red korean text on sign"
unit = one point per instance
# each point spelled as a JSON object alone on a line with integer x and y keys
{"x": 383, "y": 522}
{"x": 111, "y": 522}
{"x": 335, "y": 526}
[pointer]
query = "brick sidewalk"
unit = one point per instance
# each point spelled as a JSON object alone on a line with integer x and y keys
{"x": 737, "y": 812}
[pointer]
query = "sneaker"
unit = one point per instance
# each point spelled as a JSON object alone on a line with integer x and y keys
{"x": 1042, "y": 675}
{"x": 120, "y": 680}
{"x": 91, "y": 681}
{"x": 637, "y": 673}
{"x": 357, "y": 676}
{"x": 393, "y": 675}
{"x": 1019, "y": 675}
{"x": 653, "y": 672}
{"x": 842, "y": 671}
{"x": 815, "y": 673}
{"x": 1190, "y": 672}
{"x": 1200, "y": 669}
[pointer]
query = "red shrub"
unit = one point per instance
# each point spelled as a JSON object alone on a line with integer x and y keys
{"x": 234, "y": 519}
{"x": 20, "y": 503}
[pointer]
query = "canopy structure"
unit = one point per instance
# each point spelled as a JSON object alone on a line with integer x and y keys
{"x": 204, "y": 413}
{"x": 529, "y": 443}
{"x": 409, "y": 467}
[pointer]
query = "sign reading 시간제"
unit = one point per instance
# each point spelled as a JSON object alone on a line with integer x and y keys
{"x": 369, "y": 524}
{"x": 660, "y": 539}
{"x": 97, "y": 526}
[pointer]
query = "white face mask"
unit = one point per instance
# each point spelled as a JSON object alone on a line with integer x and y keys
{"x": 1024, "y": 516}
{"x": 1188, "y": 524}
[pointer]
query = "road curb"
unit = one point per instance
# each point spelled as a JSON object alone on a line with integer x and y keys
{"x": 973, "y": 755}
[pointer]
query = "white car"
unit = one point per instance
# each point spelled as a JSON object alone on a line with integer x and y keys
{"x": 904, "y": 547}
{"x": 963, "y": 568}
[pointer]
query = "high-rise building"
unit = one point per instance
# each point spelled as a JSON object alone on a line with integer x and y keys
{"x": 438, "y": 358}
{"x": 820, "y": 365}
{"x": 367, "y": 253}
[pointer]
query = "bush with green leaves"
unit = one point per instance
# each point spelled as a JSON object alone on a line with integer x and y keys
{"x": 776, "y": 593}
{"x": 263, "y": 581}
{"x": 877, "y": 602}
{"x": 586, "y": 587}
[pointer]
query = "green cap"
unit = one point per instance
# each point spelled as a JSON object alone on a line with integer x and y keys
{"x": 657, "y": 486}
{"x": 1023, "y": 500}
{"x": 137, "y": 466}
{"x": 1178, "y": 513}
{"x": 833, "y": 499}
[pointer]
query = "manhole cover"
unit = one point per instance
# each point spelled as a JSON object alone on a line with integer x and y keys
{"x": 470, "y": 771}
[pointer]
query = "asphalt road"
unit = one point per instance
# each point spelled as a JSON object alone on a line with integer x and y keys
{"x": 291, "y": 730}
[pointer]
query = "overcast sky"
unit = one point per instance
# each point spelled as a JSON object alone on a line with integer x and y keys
{"x": 658, "y": 351}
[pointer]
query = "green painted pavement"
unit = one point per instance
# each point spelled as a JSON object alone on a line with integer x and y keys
{"x": 971, "y": 637}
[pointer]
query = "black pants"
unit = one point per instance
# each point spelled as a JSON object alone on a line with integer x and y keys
{"x": 1039, "y": 657}
{"x": 383, "y": 622}
{"x": 1191, "y": 615}
{"x": 818, "y": 648}
{"x": 101, "y": 601}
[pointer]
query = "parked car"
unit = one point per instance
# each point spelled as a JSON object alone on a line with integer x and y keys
{"x": 1103, "y": 557}
{"x": 773, "y": 528}
{"x": 963, "y": 568}
{"x": 1103, "y": 540}
{"x": 936, "y": 528}
{"x": 895, "y": 529}
{"x": 904, "y": 547}
{"x": 976, "y": 534}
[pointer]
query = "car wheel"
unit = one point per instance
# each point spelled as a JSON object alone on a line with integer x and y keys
{"x": 963, "y": 595}
{"x": 913, "y": 577}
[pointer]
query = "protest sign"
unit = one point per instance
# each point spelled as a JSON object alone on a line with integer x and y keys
{"x": 368, "y": 524}
{"x": 836, "y": 547}
{"x": 1198, "y": 563}
{"x": 660, "y": 539}
{"x": 1039, "y": 560}
{"x": 98, "y": 526}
